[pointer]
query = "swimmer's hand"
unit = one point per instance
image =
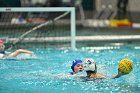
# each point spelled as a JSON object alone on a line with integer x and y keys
{"x": 119, "y": 75}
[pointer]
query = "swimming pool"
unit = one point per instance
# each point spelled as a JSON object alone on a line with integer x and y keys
{"x": 40, "y": 75}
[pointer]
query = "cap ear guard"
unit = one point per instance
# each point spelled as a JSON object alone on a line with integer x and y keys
{"x": 89, "y": 65}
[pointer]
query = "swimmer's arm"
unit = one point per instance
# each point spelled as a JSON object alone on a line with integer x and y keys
{"x": 101, "y": 76}
{"x": 118, "y": 75}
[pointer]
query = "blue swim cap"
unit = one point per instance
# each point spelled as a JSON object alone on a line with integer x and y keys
{"x": 75, "y": 62}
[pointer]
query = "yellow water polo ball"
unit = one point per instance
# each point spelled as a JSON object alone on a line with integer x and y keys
{"x": 125, "y": 66}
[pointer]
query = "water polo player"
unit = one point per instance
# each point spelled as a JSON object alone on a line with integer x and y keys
{"x": 4, "y": 53}
{"x": 91, "y": 69}
{"x": 77, "y": 66}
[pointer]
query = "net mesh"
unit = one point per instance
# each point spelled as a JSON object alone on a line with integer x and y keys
{"x": 54, "y": 34}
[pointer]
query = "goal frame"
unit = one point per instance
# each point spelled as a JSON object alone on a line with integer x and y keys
{"x": 50, "y": 9}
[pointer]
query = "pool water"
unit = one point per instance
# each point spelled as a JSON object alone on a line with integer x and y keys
{"x": 40, "y": 75}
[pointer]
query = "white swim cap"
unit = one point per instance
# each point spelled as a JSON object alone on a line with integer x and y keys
{"x": 89, "y": 65}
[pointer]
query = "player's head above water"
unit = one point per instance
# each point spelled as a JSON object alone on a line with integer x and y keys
{"x": 77, "y": 65}
{"x": 90, "y": 65}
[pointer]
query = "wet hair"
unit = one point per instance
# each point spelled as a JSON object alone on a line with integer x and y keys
{"x": 89, "y": 72}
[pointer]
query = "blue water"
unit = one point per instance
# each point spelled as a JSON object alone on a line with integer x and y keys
{"x": 40, "y": 75}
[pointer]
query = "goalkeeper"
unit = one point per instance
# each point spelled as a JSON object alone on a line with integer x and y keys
{"x": 4, "y": 53}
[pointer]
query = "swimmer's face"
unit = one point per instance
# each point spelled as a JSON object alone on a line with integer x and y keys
{"x": 2, "y": 46}
{"x": 78, "y": 67}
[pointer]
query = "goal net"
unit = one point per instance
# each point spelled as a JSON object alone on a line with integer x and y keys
{"x": 54, "y": 27}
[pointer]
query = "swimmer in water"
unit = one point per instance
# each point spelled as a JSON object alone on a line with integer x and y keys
{"x": 91, "y": 69}
{"x": 77, "y": 66}
{"x": 4, "y": 53}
